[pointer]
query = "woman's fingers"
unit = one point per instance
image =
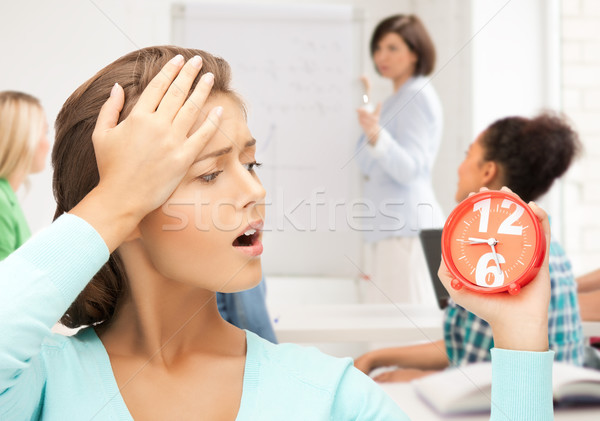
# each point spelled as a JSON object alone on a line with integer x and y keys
{"x": 109, "y": 113}
{"x": 179, "y": 89}
{"x": 190, "y": 111}
{"x": 480, "y": 190}
{"x": 167, "y": 92}
{"x": 382, "y": 378}
{"x": 543, "y": 218}
{"x": 363, "y": 363}
{"x": 361, "y": 114}
{"x": 154, "y": 92}
{"x": 198, "y": 140}
{"x": 367, "y": 120}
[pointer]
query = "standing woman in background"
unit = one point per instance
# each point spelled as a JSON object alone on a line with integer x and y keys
{"x": 396, "y": 155}
{"x": 23, "y": 148}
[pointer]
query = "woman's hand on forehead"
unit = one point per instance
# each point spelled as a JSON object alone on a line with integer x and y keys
{"x": 142, "y": 159}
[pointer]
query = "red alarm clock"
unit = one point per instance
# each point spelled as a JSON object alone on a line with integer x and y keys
{"x": 493, "y": 242}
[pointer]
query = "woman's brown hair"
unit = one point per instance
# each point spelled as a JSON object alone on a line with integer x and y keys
{"x": 74, "y": 161}
{"x": 413, "y": 32}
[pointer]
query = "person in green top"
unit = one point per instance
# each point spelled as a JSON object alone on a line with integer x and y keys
{"x": 23, "y": 148}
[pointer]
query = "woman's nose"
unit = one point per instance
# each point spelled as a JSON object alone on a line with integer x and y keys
{"x": 254, "y": 192}
{"x": 258, "y": 194}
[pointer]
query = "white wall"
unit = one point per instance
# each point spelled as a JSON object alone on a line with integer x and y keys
{"x": 581, "y": 102}
{"x": 508, "y": 66}
{"x": 515, "y": 68}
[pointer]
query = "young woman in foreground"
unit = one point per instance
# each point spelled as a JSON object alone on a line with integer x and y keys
{"x": 163, "y": 188}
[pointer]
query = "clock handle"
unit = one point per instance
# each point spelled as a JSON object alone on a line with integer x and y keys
{"x": 456, "y": 284}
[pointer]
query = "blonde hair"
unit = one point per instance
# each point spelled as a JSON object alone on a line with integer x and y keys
{"x": 21, "y": 125}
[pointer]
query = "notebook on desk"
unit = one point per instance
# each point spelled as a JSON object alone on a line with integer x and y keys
{"x": 431, "y": 241}
{"x": 468, "y": 389}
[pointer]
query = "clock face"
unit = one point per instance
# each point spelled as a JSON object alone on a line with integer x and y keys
{"x": 493, "y": 242}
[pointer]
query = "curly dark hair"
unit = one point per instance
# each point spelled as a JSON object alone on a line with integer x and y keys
{"x": 531, "y": 152}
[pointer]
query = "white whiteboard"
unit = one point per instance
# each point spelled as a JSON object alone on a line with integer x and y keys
{"x": 297, "y": 68}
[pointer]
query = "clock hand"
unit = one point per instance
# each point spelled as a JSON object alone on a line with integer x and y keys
{"x": 494, "y": 253}
{"x": 491, "y": 241}
{"x": 478, "y": 240}
{"x": 473, "y": 241}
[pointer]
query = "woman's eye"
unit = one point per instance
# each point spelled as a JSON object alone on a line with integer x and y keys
{"x": 252, "y": 165}
{"x": 210, "y": 177}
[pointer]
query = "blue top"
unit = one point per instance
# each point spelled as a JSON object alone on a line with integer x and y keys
{"x": 52, "y": 377}
{"x": 248, "y": 310}
{"x": 469, "y": 339}
{"x": 397, "y": 170}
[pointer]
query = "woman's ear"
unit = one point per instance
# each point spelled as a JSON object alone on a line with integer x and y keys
{"x": 491, "y": 176}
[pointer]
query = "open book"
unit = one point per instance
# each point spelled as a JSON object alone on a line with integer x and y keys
{"x": 468, "y": 389}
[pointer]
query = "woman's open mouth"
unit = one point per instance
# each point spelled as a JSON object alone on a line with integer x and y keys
{"x": 249, "y": 243}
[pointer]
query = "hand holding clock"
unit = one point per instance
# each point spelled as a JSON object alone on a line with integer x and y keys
{"x": 518, "y": 322}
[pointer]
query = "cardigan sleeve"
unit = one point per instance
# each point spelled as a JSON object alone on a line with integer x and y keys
{"x": 38, "y": 282}
{"x": 521, "y": 385}
{"x": 359, "y": 398}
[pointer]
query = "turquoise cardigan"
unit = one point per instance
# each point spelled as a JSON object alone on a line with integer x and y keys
{"x": 52, "y": 377}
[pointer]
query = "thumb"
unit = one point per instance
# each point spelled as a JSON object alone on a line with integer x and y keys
{"x": 109, "y": 113}
{"x": 545, "y": 223}
{"x": 366, "y": 83}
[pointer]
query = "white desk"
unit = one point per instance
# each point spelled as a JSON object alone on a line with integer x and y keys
{"x": 366, "y": 323}
{"x": 357, "y": 323}
{"x": 405, "y": 396}
{"x": 591, "y": 329}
